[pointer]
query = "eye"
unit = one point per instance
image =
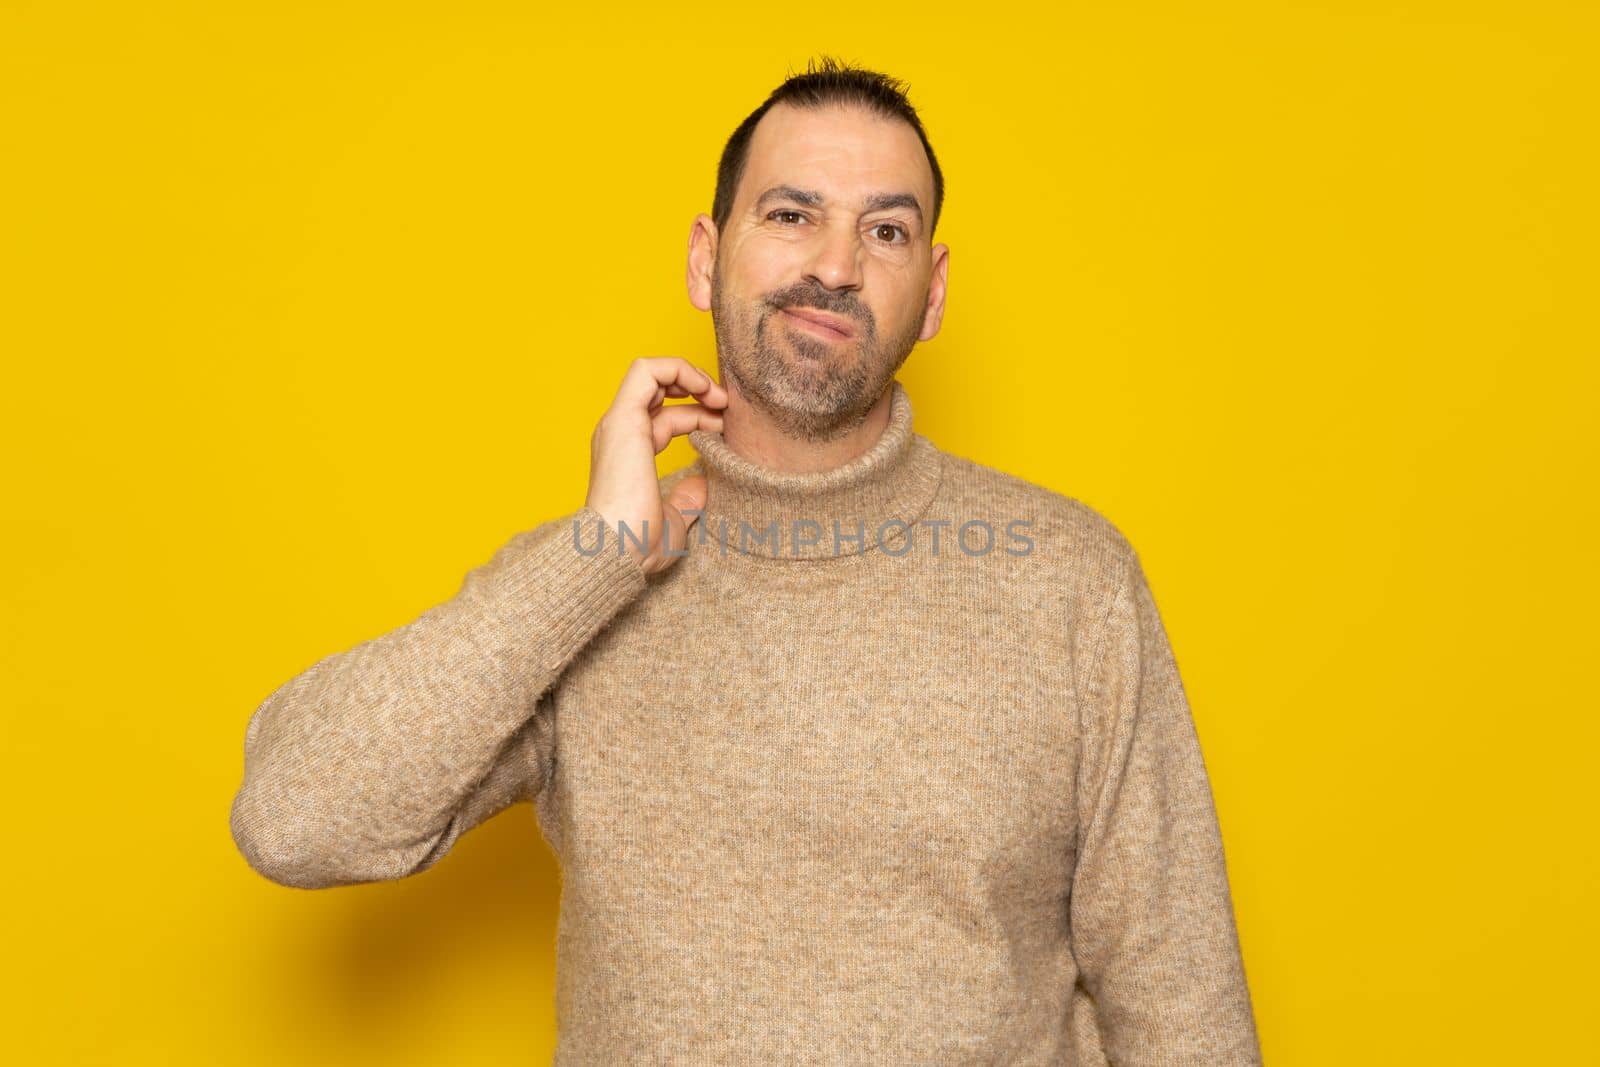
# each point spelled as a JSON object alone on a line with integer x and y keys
{"x": 893, "y": 230}
{"x": 783, "y": 211}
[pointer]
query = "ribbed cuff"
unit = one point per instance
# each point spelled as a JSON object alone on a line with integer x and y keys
{"x": 559, "y": 585}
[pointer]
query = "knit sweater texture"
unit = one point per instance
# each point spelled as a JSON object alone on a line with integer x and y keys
{"x": 837, "y": 787}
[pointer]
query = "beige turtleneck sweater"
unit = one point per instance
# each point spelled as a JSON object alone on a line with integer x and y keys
{"x": 890, "y": 804}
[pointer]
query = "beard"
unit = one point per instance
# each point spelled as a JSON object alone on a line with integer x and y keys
{"x": 810, "y": 389}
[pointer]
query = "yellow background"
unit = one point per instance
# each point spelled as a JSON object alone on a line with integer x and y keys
{"x": 310, "y": 307}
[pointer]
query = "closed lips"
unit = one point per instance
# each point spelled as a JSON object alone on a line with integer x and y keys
{"x": 820, "y": 319}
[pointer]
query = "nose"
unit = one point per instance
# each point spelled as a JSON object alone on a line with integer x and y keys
{"x": 836, "y": 258}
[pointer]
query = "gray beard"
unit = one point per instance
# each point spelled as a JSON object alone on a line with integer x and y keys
{"x": 810, "y": 390}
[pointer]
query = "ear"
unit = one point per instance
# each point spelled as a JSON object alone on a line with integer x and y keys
{"x": 934, "y": 314}
{"x": 702, "y": 260}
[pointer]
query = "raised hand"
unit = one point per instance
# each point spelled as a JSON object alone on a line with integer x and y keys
{"x": 623, "y": 485}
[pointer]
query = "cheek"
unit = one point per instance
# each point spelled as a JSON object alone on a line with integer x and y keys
{"x": 900, "y": 308}
{"x": 773, "y": 275}
{"x": 757, "y": 267}
{"x": 746, "y": 259}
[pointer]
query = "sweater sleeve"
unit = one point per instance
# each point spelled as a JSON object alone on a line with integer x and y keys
{"x": 1150, "y": 909}
{"x": 372, "y": 762}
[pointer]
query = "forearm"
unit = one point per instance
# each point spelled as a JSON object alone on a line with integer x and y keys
{"x": 355, "y": 769}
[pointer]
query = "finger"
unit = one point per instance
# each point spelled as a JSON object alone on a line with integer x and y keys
{"x": 675, "y": 391}
{"x": 677, "y": 419}
{"x": 648, "y": 374}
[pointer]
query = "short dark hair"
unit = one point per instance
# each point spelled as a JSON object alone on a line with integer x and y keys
{"x": 822, "y": 84}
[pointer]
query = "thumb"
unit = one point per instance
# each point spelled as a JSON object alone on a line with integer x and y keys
{"x": 690, "y": 493}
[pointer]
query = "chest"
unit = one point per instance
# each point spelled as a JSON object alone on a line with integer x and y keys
{"x": 840, "y": 727}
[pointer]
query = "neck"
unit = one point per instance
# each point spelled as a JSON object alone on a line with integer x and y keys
{"x": 869, "y": 496}
{"x": 752, "y": 434}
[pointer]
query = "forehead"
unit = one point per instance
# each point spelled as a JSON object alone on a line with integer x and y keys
{"x": 843, "y": 152}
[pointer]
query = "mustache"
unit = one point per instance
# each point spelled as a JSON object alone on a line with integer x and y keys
{"x": 844, "y": 305}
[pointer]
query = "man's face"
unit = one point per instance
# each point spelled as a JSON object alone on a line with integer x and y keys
{"x": 830, "y": 219}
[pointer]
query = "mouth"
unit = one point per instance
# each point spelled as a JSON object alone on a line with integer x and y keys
{"x": 821, "y": 324}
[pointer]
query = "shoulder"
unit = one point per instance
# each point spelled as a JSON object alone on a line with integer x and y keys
{"x": 1078, "y": 543}
{"x": 1078, "y": 567}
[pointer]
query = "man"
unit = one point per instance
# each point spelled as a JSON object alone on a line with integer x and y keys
{"x": 852, "y": 750}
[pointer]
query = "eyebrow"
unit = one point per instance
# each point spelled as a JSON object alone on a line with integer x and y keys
{"x": 875, "y": 202}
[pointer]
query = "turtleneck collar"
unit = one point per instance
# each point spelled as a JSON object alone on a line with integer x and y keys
{"x": 872, "y": 499}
